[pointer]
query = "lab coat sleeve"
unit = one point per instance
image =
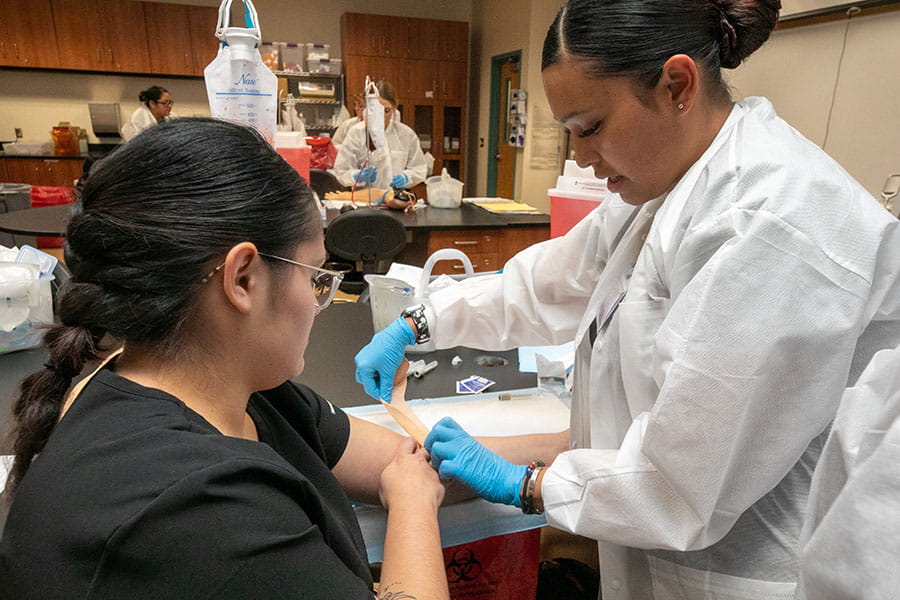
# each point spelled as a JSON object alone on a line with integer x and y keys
{"x": 351, "y": 156}
{"x": 139, "y": 120}
{"x": 855, "y": 495}
{"x": 540, "y": 296}
{"x": 750, "y": 361}
{"x": 416, "y": 169}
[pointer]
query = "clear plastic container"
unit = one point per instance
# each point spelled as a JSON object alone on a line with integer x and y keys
{"x": 270, "y": 52}
{"x": 324, "y": 65}
{"x": 317, "y": 51}
{"x": 292, "y": 58}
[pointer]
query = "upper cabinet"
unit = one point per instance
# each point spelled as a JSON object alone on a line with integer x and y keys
{"x": 101, "y": 35}
{"x": 27, "y": 37}
{"x": 375, "y": 35}
{"x": 114, "y": 36}
{"x": 181, "y": 38}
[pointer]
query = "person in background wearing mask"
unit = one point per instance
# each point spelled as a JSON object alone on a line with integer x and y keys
{"x": 189, "y": 465}
{"x": 156, "y": 107}
{"x": 359, "y": 112}
{"x": 400, "y": 164}
{"x": 735, "y": 283}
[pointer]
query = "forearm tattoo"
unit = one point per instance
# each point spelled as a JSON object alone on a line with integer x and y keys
{"x": 387, "y": 593}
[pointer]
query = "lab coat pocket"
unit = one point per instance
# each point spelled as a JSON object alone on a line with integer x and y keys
{"x": 676, "y": 582}
{"x": 638, "y": 323}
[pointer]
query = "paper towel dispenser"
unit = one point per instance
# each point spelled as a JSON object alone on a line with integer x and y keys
{"x": 105, "y": 121}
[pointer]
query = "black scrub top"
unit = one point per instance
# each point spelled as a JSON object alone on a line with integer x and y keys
{"x": 137, "y": 496}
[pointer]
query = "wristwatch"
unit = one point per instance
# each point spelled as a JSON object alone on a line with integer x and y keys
{"x": 417, "y": 314}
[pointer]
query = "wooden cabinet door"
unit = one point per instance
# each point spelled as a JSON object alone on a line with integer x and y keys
{"x": 357, "y": 67}
{"x": 421, "y": 79}
{"x": 61, "y": 172}
{"x": 4, "y": 172}
{"x": 169, "y": 38}
{"x": 27, "y": 36}
{"x": 516, "y": 239}
{"x": 125, "y": 35}
{"x": 453, "y": 41}
{"x": 23, "y": 170}
{"x": 204, "y": 43}
{"x": 79, "y": 35}
{"x": 452, "y": 81}
{"x": 424, "y": 39}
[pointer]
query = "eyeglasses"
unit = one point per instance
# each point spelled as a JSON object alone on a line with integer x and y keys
{"x": 165, "y": 102}
{"x": 325, "y": 284}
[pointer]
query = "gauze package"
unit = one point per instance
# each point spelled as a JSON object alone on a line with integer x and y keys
{"x": 241, "y": 88}
{"x": 25, "y": 297}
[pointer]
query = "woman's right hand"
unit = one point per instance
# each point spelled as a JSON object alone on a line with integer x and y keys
{"x": 409, "y": 480}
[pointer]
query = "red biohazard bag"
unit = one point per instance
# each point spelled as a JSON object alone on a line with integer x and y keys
{"x": 503, "y": 567}
{"x": 322, "y": 153}
{"x": 46, "y": 195}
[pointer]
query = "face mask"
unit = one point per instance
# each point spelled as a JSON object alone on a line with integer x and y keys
{"x": 241, "y": 88}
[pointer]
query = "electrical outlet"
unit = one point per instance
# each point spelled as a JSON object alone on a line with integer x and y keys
{"x": 18, "y": 133}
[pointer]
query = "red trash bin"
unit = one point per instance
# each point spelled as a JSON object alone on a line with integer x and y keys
{"x": 47, "y": 195}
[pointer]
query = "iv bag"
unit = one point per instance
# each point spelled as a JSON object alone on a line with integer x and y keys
{"x": 241, "y": 88}
{"x": 374, "y": 116}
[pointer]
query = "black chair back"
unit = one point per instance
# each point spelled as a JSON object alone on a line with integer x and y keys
{"x": 323, "y": 182}
{"x": 365, "y": 236}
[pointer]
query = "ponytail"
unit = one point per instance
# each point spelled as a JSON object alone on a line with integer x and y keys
{"x": 41, "y": 396}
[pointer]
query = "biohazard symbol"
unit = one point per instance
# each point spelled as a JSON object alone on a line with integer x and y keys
{"x": 463, "y": 566}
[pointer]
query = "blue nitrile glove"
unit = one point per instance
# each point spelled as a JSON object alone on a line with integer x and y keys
{"x": 398, "y": 181}
{"x": 366, "y": 175}
{"x": 377, "y": 362}
{"x": 457, "y": 454}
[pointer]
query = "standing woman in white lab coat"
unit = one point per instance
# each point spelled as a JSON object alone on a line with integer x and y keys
{"x": 156, "y": 107}
{"x": 722, "y": 299}
{"x": 400, "y": 164}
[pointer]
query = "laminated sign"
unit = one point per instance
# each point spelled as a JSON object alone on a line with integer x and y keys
{"x": 241, "y": 88}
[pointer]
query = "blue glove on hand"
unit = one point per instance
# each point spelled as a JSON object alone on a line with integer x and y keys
{"x": 378, "y": 361}
{"x": 456, "y": 454}
{"x": 398, "y": 181}
{"x": 366, "y": 175}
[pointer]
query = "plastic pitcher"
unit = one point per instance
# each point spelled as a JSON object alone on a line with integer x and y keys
{"x": 443, "y": 191}
{"x": 390, "y": 296}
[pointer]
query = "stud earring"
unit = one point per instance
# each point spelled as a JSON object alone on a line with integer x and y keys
{"x": 680, "y": 106}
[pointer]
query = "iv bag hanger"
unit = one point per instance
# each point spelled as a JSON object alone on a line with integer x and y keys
{"x": 251, "y": 20}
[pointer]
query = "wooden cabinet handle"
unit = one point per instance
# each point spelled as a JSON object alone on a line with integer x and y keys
{"x": 465, "y": 243}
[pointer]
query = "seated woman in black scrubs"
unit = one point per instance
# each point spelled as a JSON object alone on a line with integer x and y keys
{"x": 187, "y": 466}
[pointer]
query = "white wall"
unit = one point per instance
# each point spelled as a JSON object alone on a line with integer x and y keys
{"x": 796, "y": 70}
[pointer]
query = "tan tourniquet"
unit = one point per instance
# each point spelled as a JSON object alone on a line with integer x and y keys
{"x": 400, "y": 410}
{"x": 73, "y": 394}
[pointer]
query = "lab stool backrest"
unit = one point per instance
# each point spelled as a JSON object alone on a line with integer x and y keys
{"x": 365, "y": 235}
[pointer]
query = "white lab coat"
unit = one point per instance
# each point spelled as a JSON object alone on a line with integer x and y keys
{"x": 139, "y": 120}
{"x": 850, "y": 546}
{"x": 767, "y": 280}
{"x": 341, "y": 132}
{"x": 401, "y": 154}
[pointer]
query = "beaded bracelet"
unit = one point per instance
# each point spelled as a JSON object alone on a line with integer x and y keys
{"x": 529, "y": 485}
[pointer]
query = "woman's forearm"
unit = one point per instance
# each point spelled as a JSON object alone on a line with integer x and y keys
{"x": 413, "y": 566}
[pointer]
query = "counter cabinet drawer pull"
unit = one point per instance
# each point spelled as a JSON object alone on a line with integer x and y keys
{"x": 465, "y": 243}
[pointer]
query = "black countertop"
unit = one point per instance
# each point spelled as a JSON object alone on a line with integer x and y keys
{"x": 338, "y": 333}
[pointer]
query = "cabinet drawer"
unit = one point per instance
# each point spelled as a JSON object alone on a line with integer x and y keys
{"x": 480, "y": 262}
{"x": 471, "y": 241}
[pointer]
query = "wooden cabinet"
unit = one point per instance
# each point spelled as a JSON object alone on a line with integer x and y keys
{"x": 114, "y": 36}
{"x": 204, "y": 43}
{"x": 169, "y": 38}
{"x": 43, "y": 171}
{"x": 431, "y": 78}
{"x": 488, "y": 249}
{"x": 181, "y": 39}
{"x": 27, "y": 36}
{"x": 101, "y": 35}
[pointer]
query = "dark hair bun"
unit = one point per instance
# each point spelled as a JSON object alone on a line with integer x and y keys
{"x": 745, "y": 25}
